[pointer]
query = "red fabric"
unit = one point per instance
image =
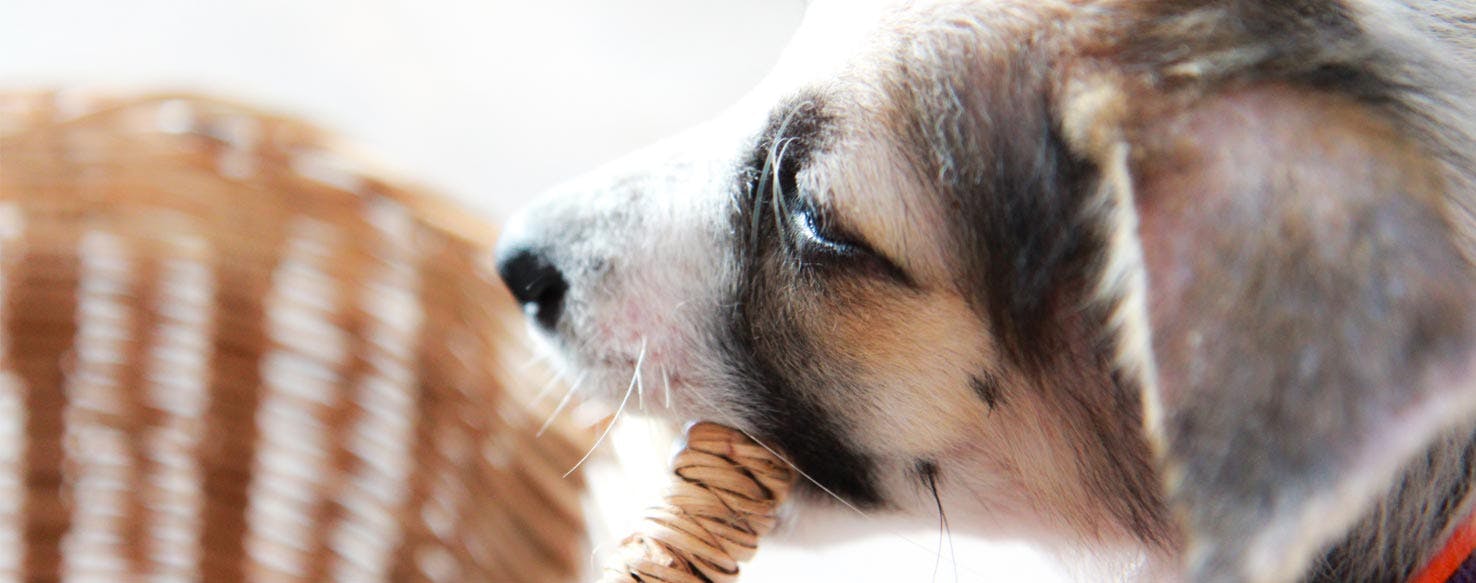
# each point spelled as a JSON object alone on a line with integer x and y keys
{"x": 1457, "y": 550}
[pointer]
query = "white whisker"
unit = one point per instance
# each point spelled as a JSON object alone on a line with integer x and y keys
{"x": 770, "y": 169}
{"x": 563, "y": 403}
{"x": 538, "y": 358}
{"x": 634, "y": 380}
{"x": 938, "y": 560}
{"x": 640, "y": 385}
{"x": 666, "y": 382}
{"x": 952, "y": 552}
{"x": 758, "y": 203}
{"x": 545, "y": 390}
{"x": 777, "y": 201}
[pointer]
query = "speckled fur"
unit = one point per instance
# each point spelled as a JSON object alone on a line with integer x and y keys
{"x": 1189, "y": 279}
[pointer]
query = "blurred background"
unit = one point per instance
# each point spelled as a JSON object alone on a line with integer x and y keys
{"x": 489, "y": 102}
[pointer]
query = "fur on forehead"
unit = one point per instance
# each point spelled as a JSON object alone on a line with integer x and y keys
{"x": 969, "y": 97}
{"x": 874, "y": 188}
{"x": 933, "y": 109}
{"x": 942, "y": 152}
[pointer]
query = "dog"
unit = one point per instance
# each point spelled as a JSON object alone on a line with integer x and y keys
{"x": 1192, "y": 278}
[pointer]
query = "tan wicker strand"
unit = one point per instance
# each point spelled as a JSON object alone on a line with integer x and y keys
{"x": 229, "y": 351}
{"x": 725, "y": 493}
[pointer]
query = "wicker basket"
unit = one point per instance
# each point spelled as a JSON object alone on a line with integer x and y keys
{"x": 228, "y": 354}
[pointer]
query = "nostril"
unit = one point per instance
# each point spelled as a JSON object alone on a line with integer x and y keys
{"x": 536, "y": 283}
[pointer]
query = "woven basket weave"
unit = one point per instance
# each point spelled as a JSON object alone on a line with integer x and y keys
{"x": 226, "y": 354}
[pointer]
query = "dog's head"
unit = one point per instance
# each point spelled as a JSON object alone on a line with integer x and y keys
{"x": 1185, "y": 275}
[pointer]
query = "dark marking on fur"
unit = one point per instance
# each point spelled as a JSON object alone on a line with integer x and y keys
{"x": 1022, "y": 226}
{"x": 781, "y": 375}
{"x": 927, "y": 473}
{"x": 1000, "y": 162}
{"x": 986, "y": 386}
{"x": 784, "y": 417}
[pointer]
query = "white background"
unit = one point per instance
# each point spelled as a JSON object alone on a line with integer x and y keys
{"x": 489, "y": 101}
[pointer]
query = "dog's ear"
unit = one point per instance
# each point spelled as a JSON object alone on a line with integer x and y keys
{"x": 1289, "y": 290}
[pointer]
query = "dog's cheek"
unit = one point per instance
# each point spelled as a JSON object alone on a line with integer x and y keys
{"x": 917, "y": 359}
{"x": 669, "y": 291}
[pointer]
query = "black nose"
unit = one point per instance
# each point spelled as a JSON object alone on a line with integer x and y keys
{"x": 535, "y": 282}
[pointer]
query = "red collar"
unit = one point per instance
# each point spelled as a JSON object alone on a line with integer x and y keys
{"x": 1446, "y": 566}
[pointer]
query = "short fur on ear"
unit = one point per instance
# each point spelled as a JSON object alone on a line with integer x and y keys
{"x": 1288, "y": 289}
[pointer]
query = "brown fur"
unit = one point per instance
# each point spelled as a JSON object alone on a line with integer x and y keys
{"x": 1189, "y": 276}
{"x": 1302, "y": 231}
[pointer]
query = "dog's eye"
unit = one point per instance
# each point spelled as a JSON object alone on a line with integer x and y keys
{"x": 817, "y": 235}
{"x": 819, "y": 242}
